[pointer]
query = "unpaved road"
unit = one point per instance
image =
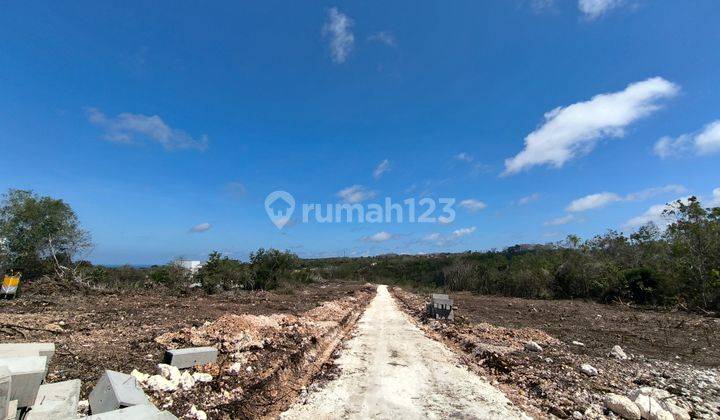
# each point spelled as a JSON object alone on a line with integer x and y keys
{"x": 391, "y": 370}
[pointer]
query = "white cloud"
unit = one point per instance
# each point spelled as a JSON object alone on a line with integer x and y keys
{"x": 705, "y": 142}
{"x": 432, "y": 237}
{"x": 463, "y": 156}
{"x": 560, "y": 220}
{"x": 355, "y": 194}
{"x": 715, "y": 200}
{"x": 127, "y": 128}
{"x": 472, "y": 205}
{"x": 202, "y": 227}
{"x": 338, "y": 28}
{"x": 572, "y": 131}
{"x": 383, "y": 37}
{"x": 655, "y": 191}
{"x": 383, "y": 167}
{"x": 378, "y": 237}
{"x": 463, "y": 232}
{"x": 593, "y": 201}
{"x": 653, "y": 214}
{"x": 596, "y": 8}
{"x": 542, "y": 5}
{"x": 528, "y": 199}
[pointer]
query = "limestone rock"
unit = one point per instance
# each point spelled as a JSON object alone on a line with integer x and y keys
{"x": 588, "y": 370}
{"x": 622, "y": 406}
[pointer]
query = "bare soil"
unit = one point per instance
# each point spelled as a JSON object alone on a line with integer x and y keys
{"x": 673, "y": 351}
{"x": 94, "y": 331}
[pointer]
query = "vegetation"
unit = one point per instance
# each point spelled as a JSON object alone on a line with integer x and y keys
{"x": 678, "y": 265}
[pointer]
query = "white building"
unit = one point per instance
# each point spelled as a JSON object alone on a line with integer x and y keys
{"x": 190, "y": 265}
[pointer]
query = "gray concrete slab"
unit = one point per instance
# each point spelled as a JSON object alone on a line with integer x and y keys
{"x": 27, "y": 349}
{"x": 12, "y": 413}
{"x": 5, "y": 385}
{"x": 138, "y": 412}
{"x": 28, "y": 373}
{"x": 116, "y": 390}
{"x": 56, "y": 400}
{"x": 189, "y": 357}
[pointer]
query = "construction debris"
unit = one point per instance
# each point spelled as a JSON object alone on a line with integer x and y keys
{"x": 27, "y": 374}
{"x": 55, "y": 401}
{"x": 189, "y": 357}
{"x": 116, "y": 390}
{"x": 440, "y": 307}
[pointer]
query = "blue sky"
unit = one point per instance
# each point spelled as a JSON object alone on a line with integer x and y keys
{"x": 166, "y": 124}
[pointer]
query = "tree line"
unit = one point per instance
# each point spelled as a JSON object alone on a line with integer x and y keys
{"x": 678, "y": 264}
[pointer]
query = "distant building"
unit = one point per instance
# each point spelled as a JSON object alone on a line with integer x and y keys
{"x": 190, "y": 265}
{"x": 440, "y": 307}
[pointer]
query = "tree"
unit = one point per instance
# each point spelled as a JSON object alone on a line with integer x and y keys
{"x": 269, "y": 265}
{"x": 38, "y": 232}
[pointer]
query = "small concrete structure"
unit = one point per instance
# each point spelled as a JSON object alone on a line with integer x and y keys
{"x": 441, "y": 307}
{"x": 116, "y": 390}
{"x": 55, "y": 401}
{"x": 28, "y": 349}
{"x": 28, "y": 373}
{"x": 5, "y": 390}
{"x": 187, "y": 358}
{"x": 138, "y": 412}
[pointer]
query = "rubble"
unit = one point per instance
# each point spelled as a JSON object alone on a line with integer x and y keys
{"x": 622, "y": 406}
{"x": 588, "y": 370}
{"x": 618, "y": 353}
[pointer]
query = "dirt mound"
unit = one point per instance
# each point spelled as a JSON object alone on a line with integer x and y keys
{"x": 263, "y": 361}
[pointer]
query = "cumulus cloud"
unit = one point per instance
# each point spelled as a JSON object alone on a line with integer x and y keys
{"x": 338, "y": 28}
{"x": 704, "y": 142}
{"x": 383, "y": 37}
{"x": 355, "y": 194}
{"x": 654, "y": 214}
{"x": 379, "y": 237}
{"x": 593, "y": 9}
{"x": 472, "y": 205}
{"x": 130, "y": 128}
{"x": 593, "y": 201}
{"x": 202, "y": 227}
{"x": 459, "y": 233}
{"x": 563, "y": 220}
{"x": 464, "y": 157}
{"x": 572, "y": 131}
{"x": 715, "y": 200}
{"x": 529, "y": 199}
{"x": 383, "y": 167}
{"x": 432, "y": 237}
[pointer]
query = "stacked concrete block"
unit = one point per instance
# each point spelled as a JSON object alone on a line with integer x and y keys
{"x": 189, "y": 357}
{"x": 56, "y": 401}
{"x": 5, "y": 391}
{"x": 27, "y": 374}
{"x": 116, "y": 390}
{"x": 28, "y": 349}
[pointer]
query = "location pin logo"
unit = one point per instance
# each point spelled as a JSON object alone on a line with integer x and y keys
{"x": 279, "y": 206}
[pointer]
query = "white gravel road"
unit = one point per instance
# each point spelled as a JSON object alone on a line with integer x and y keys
{"x": 391, "y": 370}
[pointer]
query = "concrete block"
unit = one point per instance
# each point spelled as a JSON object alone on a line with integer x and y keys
{"x": 5, "y": 385}
{"x": 28, "y": 373}
{"x": 56, "y": 400}
{"x": 186, "y": 358}
{"x": 28, "y": 349}
{"x": 138, "y": 412}
{"x": 116, "y": 390}
{"x": 12, "y": 413}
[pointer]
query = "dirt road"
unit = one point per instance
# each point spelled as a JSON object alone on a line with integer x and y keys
{"x": 391, "y": 370}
